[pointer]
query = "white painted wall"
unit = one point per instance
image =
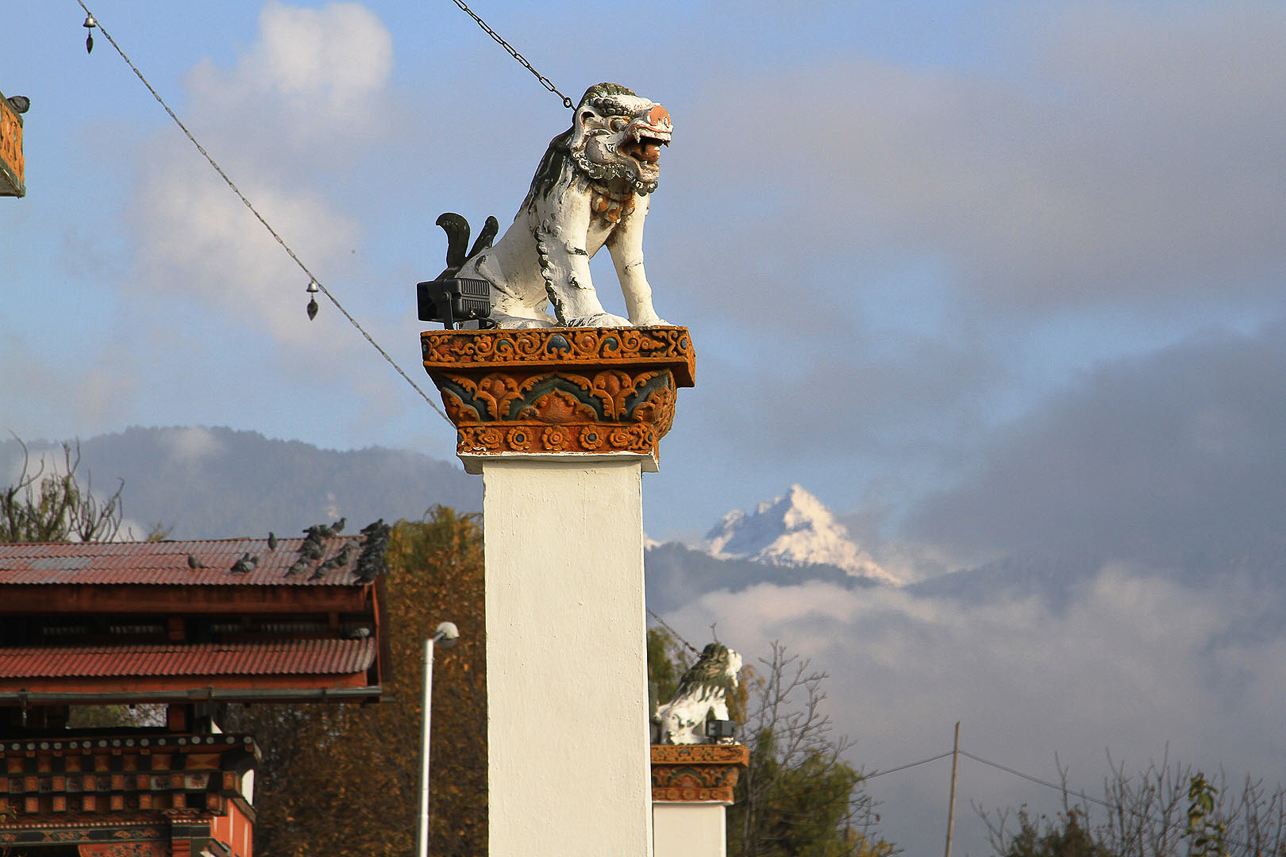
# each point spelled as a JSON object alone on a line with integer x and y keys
{"x": 690, "y": 829}
{"x": 568, "y": 751}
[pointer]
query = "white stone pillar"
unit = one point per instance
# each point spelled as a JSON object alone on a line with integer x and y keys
{"x": 568, "y": 751}
{"x": 692, "y": 788}
{"x": 690, "y": 829}
{"x": 561, "y": 423}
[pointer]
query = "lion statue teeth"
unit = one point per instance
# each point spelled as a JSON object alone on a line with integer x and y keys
{"x": 590, "y": 191}
{"x": 702, "y": 694}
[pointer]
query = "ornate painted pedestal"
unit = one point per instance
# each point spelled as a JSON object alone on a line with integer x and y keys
{"x": 692, "y": 785}
{"x": 588, "y": 391}
{"x": 561, "y": 423}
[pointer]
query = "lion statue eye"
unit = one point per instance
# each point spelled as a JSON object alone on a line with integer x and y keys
{"x": 618, "y": 123}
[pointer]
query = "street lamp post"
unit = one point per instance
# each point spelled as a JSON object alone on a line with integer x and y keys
{"x": 447, "y": 634}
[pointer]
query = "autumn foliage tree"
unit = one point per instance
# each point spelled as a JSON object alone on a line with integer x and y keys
{"x": 343, "y": 780}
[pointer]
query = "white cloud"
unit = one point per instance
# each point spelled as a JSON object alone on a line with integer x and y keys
{"x": 59, "y": 394}
{"x": 284, "y": 123}
{"x": 315, "y": 82}
{"x": 191, "y": 444}
{"x": 338, "y": 55}
{"x": 1130, "y": 158}
{"x": 1134, "y": 662}
{"x": 199, "y": 241}
{"x": 1155, "y": 457}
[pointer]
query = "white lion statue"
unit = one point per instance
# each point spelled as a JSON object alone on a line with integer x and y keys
{"x": 590, "y": 191}
{"x": 702, "y": 694}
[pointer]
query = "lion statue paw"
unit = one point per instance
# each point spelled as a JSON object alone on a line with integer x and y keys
{"x": 602, "y": 319}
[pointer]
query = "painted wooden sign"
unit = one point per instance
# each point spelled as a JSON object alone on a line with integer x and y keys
{"x": 11, "y": 164}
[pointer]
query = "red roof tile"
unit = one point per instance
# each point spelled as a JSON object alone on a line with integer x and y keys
{"x": 167, "y": 563}
{"x": 295, "y": 657}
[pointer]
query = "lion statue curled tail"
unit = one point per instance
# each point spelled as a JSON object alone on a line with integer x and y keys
{"x": 590, "y": 191}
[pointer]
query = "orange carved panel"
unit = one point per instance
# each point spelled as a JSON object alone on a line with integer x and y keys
{"x": 125, "y": 849}
{"x": 696, "y": 772}
{"x": 12, "y": 168}
{"x": 559, "y": 390}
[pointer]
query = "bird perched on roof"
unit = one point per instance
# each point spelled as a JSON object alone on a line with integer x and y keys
{"x": 298, "y": 567}
{"x": 312, "y": 549}
{"x": 246, "y": 564}
{"x": 329, "y": 565}
{"x": 371, "y": 562}
{"x": 272, "y": 541}
{"x": 338, "y": 526}
{"x": 194, "y": 563}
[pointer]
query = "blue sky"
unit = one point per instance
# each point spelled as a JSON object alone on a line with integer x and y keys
{"x": 893, "y": 228}
{"x": 989, "y": 276}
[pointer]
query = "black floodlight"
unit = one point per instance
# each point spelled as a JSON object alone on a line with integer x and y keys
{"x": 721, "y": 730}
{"x": 453, "y": 300}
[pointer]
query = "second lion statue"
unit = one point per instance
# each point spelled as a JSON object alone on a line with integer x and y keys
{"x": 590, "y": 191}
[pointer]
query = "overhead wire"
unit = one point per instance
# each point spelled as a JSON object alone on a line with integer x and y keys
{"x": 262, "y": 220}
{"x": 1063, "y": 789}
{"x": 672, "y": 632}
{"x": 879, "y": 773}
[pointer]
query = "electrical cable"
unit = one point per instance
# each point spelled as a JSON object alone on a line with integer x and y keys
{"x": 673, "y": 632}
{"x": 312, "y": 277}
{"x": 936, "y": 758}
{"x": 1082, "y": 795}
{"x": 1037, "y": 780}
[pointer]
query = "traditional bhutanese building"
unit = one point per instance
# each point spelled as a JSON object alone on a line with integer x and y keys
{"x": 185, "y": 625}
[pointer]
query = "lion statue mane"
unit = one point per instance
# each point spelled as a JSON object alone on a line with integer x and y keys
{"x": 702, "y": 695}
{"x": 590, "y": 191}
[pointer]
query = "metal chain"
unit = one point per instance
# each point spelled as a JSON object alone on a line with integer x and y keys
{"x": 544, "y": 81}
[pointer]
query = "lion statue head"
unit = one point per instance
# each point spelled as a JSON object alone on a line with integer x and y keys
{"x": 615, "y": 140}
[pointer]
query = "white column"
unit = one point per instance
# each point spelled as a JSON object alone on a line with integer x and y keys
{"x": 568, "y": 743}
{"x": 690, "y": 829}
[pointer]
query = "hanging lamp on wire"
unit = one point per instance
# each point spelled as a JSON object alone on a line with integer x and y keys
{"x": 89, "y": 26}
{"x": 312, "y": 299}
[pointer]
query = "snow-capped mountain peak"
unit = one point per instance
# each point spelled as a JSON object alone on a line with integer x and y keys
{"x": 793, "y": 529}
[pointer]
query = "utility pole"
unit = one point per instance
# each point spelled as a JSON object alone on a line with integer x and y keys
{"x": 951, "y": 811}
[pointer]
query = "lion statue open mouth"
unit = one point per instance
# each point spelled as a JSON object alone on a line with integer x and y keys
{"x": 590, "y": 191}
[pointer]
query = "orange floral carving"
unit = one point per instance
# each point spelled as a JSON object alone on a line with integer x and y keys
{"x": 563, "y": 346}
{"x": 496, "y": 392}
{"x": 603, "y": 389}
{"x": 557, "y": 407}
{"x": 696, "y": 772}
{"x": 555, "y": 439}
{"x": 622, "y": 438}
{"x": 491, "y": 438}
